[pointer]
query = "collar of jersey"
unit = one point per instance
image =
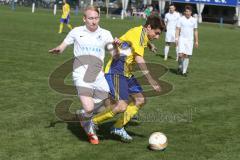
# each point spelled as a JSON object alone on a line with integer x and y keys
{"x": 85, "y": 29}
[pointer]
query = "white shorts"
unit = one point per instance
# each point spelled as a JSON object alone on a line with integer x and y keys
{"x": 170, "y": 36}
{"x": 98, "y": 89}
{"x": 185, "y": 46}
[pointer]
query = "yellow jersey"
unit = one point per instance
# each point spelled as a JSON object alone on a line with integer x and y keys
{"x": 65, "y": 11}
{"x": 137, "y": 39}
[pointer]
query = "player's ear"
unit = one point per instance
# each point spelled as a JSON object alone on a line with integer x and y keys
{"x": 149, "y": 28}
{"x": 84, "y": 19}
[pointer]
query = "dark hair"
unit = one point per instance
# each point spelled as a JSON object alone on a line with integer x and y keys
{"x": 188, "y": 7}
{"x": 171, "y": 5}
{"x": 155, "y": 23}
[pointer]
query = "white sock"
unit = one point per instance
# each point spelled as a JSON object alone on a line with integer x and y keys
{"x": 166, "y": 50}
{"x": 185, "y": 65}
{"x": 176, "y": 52}
{"x": 180, "y": 64}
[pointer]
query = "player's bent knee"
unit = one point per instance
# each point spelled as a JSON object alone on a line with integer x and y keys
{"x": 121, "y": 109}
{"x": 139, "y": 101}
{"x": 121, "y": 106}
{"x": 88, "y": 110}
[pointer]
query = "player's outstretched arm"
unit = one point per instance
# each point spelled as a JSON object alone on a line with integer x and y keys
{"x": 152, "y": 47}
{"x": 143, "y": 67}
{"x": 177, "y": 35}
{"x": 113, "y": 48}
{"x": 196, "y": 37}
{"x": 59, "y": 49}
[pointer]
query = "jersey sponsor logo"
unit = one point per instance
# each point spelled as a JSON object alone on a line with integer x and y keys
{"x": 91, "y": 49}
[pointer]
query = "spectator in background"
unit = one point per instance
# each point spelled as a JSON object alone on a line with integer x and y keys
{"x": 147, "y": 12}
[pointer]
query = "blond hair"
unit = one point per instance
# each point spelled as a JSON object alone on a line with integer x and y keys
{"x": 91, "y": 8}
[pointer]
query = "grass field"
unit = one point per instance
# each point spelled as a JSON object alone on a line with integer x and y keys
{"x": 200, "y": 116}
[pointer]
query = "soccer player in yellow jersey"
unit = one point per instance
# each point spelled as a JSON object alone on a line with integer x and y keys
{"x": 122, "y": 82}
{"x": 65, "y": 18}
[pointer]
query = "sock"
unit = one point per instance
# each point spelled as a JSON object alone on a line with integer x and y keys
{"x": 69, "y": 26}
{"x": 126, "y": 116}
{"x": 60, "y": 28}
{"x": 185, "y": 65}
{"x": 180, "y": 64}
{"x": 166, "y": 50}
{"x": 176, "y": 52}
{"x": 103, "y": 116}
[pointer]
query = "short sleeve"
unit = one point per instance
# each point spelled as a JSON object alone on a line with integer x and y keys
{"x": 132, "y": 37}
{"x": 70, "y": 38}
{"x": 109, "y": 37}
{"x": 195, "y": 24}
{"x": 165, "y": 18}
{"x": 178, "y": 23}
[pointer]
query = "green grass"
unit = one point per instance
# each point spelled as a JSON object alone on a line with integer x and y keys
{"x": 200, "y": 116}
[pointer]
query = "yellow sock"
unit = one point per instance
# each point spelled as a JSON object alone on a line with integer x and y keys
{"x": 105, "y": 115}
{"x": 60, "y": 28}
{"x": 127, "y": 115}
{"x": 69, "y": 26}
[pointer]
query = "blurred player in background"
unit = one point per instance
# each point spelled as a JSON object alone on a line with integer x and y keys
{"x": 121, "y": 80}
{"x": 186, "y": 35}
{"x": 89, "y": 42}
{"x": 171, "y": 19}
{"x": 65, "y": 18}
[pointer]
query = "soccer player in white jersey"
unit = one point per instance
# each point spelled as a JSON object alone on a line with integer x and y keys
{"x": 171, "y": 19}
{"x": 89, "y": 51}
{"x": 186, "y": 35}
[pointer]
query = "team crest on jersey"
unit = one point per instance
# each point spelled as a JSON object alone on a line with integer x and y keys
{"x": 99, "y": 37}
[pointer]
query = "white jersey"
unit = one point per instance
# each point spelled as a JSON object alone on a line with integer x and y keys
{"x": 171, "y": 20}
{"x": 88, "y": 44}
{"x": 187, "y": 26}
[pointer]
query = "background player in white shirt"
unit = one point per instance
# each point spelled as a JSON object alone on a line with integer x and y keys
{"x": 89, "y": 42}
{"x": 171, "y": 19}
{"x": 186, "y": 34}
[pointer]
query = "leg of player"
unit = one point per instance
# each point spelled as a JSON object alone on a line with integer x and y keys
{"x": 119, "y": 107}
{"x": 69, "y": 26}
{"x": 166, "y": 50}
{"x": 60, "y": 28}
{"x": 85, "y": 118}
{"x": 119, "y": 91}
{"x": 180, "y": 63}
{"x": 132, "y": 110}
{"x": 185, "y": 64}
{"x": 176, "y": 47}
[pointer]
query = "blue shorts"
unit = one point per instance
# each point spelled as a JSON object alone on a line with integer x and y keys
{"x": 121, "y": 87}
{"x": 63, "y": 20}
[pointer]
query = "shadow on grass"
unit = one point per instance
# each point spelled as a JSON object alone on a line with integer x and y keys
{"x": 103, "y": 132}
{"x": 162, "y": 56}
{"x": 173, "y": 70}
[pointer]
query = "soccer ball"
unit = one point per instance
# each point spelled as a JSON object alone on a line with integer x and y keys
{"x": 157, "y": 141}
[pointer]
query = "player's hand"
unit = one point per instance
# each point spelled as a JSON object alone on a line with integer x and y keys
{"x": 117, "y": 41}
{"x": 152, "y": 48}
{"x": 56, "y": 50}
{"x": 155, "y": 85}
{"x": 196, "y": 44}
